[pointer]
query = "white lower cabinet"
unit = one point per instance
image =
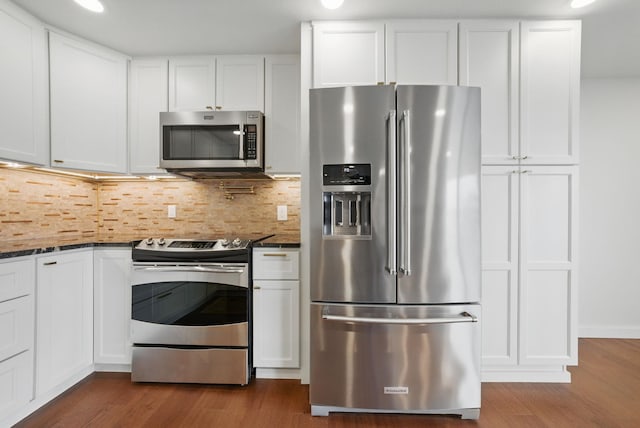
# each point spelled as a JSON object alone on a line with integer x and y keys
{"x": 276, "y": 309}
{"x": 529, "y": 299}
{"x": 17, "y": 284}
{"x": 112, "y": 308}
{"x": 64, "y": 308}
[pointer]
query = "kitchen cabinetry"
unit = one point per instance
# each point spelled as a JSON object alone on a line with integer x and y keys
{"x": 226, "y": 82}
{"x": 112, "y": 308}
{"x": 24, "y": 87}
{"x": 353, "y": 53}
{"x": 17, "y": 285}
{"x": 529, "y": 268}
{"x": 282, "y": 114}
{"x": 549, "y": 92}
{"x": 64, "y": 307}
{"x": 276, "y": 305}
{"x": 488, "y": 57}
{"x": 88, "y": 106}
{"x": 148, "y": 83}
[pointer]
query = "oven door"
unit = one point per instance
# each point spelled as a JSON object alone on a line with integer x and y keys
{"x": 190, "y": 304}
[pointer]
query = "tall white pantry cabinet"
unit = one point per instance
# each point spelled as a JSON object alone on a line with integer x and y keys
{"x": 529, "y": 74}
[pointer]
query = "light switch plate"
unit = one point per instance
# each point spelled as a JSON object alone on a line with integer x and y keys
{"x": 282, "y": 212}
{"x": 171, "y": 211}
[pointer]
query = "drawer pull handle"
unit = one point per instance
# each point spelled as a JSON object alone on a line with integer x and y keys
{"x": 275, "y": 254}
{"x": 50, "y": 263}
{"x": 256, "y": 288}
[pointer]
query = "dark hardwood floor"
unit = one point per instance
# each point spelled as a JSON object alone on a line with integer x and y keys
{"x": 605, "y": 392}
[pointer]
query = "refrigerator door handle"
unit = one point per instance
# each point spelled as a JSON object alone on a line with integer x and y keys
{"x": 392, "y": 220}
{"x": 405, "y": 195}
{"x": 461, "y": 318}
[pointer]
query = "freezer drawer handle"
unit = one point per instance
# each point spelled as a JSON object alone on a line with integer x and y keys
{"x": 463, "y": 317}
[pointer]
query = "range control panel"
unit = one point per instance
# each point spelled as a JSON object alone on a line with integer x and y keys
{"x": 346, "y": 174}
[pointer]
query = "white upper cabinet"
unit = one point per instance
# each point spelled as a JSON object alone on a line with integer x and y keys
{"x": 88, "y": 106}
{"x": 227, "y": 82}
{"x": 240, "y": 82}
{"x": 23, "y": 87}
{"x": 282, "y": 114}
{"x": 348, "y": 53}
{"x": 549, "y": 88}
{"x": 192, "y": 83}
{"x": 489, "y": 60}
{"x": 422, "y": 52}
{"x": 148, "y": 80}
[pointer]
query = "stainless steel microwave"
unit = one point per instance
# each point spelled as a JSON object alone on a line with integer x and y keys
{"x": 200, "y": 143}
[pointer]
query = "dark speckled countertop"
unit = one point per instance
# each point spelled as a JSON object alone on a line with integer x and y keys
{"x": 27, "y": 247}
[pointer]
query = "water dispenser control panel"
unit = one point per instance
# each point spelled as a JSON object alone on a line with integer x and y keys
{"x": 346, "y": 174}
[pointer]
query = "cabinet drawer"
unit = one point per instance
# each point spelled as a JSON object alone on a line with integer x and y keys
{"x": 16, "y": 326}
{"x": 16, "y": 383}
{"x": 275, "y": 263}
{"x": 17, "y": 278}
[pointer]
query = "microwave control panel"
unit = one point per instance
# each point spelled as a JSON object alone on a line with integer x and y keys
{"x": 250, "y": 142}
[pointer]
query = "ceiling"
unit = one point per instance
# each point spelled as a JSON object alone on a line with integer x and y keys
{"x": 611, "y": 28}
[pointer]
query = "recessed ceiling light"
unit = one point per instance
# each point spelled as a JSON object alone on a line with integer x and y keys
{"x": 92, "y": 5}
{"x": 332, "y": 4}
{"x": 580, "y": 3}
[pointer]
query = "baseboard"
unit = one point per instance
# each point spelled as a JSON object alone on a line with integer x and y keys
{"x": 614, "y": 332}
{"x": 552, "y": 374}
{"x": 262, "y": 373}
{"x": 118, "y": 368}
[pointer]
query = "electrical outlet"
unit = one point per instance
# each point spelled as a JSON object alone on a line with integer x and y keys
{"x": 282, "y": 212}
{"x": 171, "y": 211}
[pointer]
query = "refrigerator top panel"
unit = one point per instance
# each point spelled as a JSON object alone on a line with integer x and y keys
{"x": 350, "y": 135}
{"x": 438, "y": 194}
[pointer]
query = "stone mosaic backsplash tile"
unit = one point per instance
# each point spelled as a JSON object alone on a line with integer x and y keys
{"x": 40, "y": 205}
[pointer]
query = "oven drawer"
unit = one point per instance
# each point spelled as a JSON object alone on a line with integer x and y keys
{"x": 211, "y": 366}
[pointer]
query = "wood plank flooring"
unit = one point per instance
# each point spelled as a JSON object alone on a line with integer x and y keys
{"x": 605, "y": 392}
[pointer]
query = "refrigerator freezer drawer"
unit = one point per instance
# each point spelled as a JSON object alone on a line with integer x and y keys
{"x": 422, "y": 359}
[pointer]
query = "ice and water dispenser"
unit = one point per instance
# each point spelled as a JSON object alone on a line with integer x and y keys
{"x": 347, "y": 210}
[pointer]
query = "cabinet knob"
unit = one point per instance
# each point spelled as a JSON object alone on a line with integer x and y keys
{"x": 218, "y": 107}
{"x": 209, "y": 108}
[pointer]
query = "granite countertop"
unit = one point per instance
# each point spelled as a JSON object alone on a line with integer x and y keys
{"x": 27, "y": 247}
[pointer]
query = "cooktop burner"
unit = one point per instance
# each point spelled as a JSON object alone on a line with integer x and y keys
{"x": 192, "y": 244}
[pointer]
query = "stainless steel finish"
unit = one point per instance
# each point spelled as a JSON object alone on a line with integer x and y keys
{"x": 159, "y": 364}
{"x": 213, "y": 118}
{"x": 351, "y": 267}
{"x": 462, "y": 317}
{"x": 187, "y": 245}
{"x": 220, "y": 335}
{"x": 464, "y": 413}
{"x": 399, "y": 367}
{"x": 444, "y": 194}
{"x": 405, "y": 195}
{"x": 189, "y": 268}
{"x": 236, "y": 274}
{"x": 392, "y": 207}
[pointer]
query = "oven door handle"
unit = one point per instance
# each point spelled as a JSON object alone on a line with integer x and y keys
{"x": 219, "y": 269}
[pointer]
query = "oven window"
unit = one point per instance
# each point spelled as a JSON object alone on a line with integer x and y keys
{"x": 189, "y": 303}
{"x": 201, "y": 142}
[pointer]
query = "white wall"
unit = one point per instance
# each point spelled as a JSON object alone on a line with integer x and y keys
{"x": 609, "y": 281}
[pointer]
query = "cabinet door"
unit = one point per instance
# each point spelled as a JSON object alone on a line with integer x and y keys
{"x": 348, "y": 53}
{"x": 24, "y": 100}
{"x": 88, "y": 106}
{"x": 549, "y": 88}
{"x": 64, "y": 317}
{"x": 192, "y": 83}
{"x": 422, "y": 52}
{"x": 112, "y": 306}
{"x": 499, "y": 265}
{"x": 489, "y": 60}
{"x": 282, "y": 114}
{"x": 240, "y": 82}
{"x": 276, "y": 324}
{"x": 148, "y": 97}
{"x": 548, "y": 300}
{"x": 16, "y": 383}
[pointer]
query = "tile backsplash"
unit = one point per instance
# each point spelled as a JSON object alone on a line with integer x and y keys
{"x": 43, "y": 205}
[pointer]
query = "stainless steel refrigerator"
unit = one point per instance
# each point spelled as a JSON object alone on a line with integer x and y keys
{"x": 395, "y": 249}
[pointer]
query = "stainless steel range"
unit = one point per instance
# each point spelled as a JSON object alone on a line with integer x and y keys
{"x": 191, "y": 311}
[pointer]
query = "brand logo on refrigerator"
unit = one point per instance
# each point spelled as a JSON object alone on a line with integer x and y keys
{"x": 396, "y": 390}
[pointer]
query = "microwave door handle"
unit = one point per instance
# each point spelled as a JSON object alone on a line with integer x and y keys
{"x": 241, "y": 148}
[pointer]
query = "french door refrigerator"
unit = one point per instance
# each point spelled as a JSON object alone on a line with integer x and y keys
{"x": 395, "y": 249}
